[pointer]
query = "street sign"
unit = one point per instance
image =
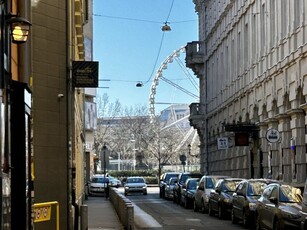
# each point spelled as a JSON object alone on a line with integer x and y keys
{"x": 183, "y": 158}
{"x": 272, "y": 135}
{"x": 222, "y": 143}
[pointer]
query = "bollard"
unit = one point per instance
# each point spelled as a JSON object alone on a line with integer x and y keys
{"x": 84, "y": 217}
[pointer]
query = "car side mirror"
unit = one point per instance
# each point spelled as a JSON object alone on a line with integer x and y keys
{"x": 239, "y": 193}
{"x": 273, "y": 199}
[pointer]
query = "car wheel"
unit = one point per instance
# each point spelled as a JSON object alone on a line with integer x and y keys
{"x": 276, "y": 225}
{"x": 186, "y": 203}
{"x": 245, "y": 220}
{"x": 195, "y": 208}
{"x": 210, "y": 211}
{"x": 258, "y": 222}
{"x": 234, "y": 219}
{"x": 202, "y": 207}
{"x": 220, "y": 212}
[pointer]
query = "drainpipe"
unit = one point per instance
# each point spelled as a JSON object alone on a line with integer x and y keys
{"x": 73, "y": 208}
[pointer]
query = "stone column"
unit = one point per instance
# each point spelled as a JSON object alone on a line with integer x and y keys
{"x": 273, "y": 150}
{"x": 262, "y": 153}
{"x": 298, "y": 150}
{"x": 284, "y": 148}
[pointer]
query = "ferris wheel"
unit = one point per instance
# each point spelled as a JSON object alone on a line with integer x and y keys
{"x": 175, "y": 56}
{"x": 184, "y": 84}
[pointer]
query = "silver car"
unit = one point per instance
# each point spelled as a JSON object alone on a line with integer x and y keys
{"x": 135, "y": 185}
{"x": 201, "y": 198}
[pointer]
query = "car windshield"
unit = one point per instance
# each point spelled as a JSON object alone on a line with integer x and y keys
{"x": 100, "y": 180}
{"x": 211, "y": 182}
{"x": 229, "y": 186}
{"x": 135, "y": 180}
{"x": 256, "y": 188}
{"x": 193, "y": 184}
{"x": 288, "y": 193}
{"x": 168, "y": 176}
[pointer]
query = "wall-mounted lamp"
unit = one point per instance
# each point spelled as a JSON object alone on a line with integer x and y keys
{"x": 19, "y": 28}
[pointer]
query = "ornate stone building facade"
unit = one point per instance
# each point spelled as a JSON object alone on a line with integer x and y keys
{"x": 251, "y": 63}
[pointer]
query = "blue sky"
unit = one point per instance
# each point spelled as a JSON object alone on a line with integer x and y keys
{"x": 127, "y": 40}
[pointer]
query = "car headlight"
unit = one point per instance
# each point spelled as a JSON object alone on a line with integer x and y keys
{"x": 126, "y": 187}
{"x": 252, "y": 206}
{"x": 227, "y": 200}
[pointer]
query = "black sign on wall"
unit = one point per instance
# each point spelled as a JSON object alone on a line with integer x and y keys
{"x": 85, "y": 74}
{"x": 241, "y": 139}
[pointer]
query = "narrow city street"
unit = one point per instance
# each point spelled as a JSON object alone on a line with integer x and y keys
{"x": 172, "y": 216}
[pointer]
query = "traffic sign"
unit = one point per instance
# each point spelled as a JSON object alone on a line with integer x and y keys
{"x": 272, "y": 135}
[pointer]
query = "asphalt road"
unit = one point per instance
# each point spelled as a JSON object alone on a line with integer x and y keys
{"x": 159, "y": 213}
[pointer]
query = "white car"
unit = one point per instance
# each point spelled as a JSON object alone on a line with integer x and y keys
{"x": 135, "y": 185}
{"x": 114, "y": 182}
{"x": 98, "y": 184}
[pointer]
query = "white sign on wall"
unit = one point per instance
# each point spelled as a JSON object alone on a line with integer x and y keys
{"x": 222, "y": 143}
{"x": 272, "y": 135}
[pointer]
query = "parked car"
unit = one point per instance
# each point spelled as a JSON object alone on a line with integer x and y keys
{"x": 202, "y": 193}
{"x": 164, "y": 179}
{"x": 279, "y": 207}
{"x": 304, "y": 208}
{"x": 169, "y": 188}
{"x": 220, "y": 200}
{"x": 135, "y": 185}
{"x": 188, "y": 192}
{"x": 98, "y": 185}
{"x": 182, "y": 177}
{"x": 244, "y": 199}
{"x": 114, "y": 182}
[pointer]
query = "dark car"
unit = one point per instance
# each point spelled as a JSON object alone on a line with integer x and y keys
{"x": 202, "y": 193}
{"x": 220, "y": 200}
{"x": 188, "y": 192}
{"x": 279, "y": 207}
{"x": 304, "y": 208}
{"x": 182, "y": 177}
{"x": 244, "y": 199}
{"x": 164, "y": 179}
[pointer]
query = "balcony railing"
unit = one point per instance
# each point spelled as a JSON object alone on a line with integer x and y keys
{"x": 196, "y": 115}
{"x": 194, "y": 54}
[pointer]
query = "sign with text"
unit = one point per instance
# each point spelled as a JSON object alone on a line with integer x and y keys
{"x": 222, "y": 143}
{"x": 272, "y": 135}
{"x": 85, "y": 74}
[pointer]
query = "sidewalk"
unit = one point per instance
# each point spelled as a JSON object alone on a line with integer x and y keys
{"x": 102, "y": 215}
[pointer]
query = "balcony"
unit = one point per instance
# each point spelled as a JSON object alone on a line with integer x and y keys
{"x": 196, "y": 116}
{"x": 194, "y": 56}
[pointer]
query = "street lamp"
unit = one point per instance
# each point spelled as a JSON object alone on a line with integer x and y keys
{"x": 134, "y": 152}
{"x": 13, "y": 29}
{"x": 19, "y": 28}
{"x": 104, "y": 152}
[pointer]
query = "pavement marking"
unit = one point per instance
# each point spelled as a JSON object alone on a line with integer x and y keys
{"x": 143, "y": 219}
{"x": 192, "y": 219}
